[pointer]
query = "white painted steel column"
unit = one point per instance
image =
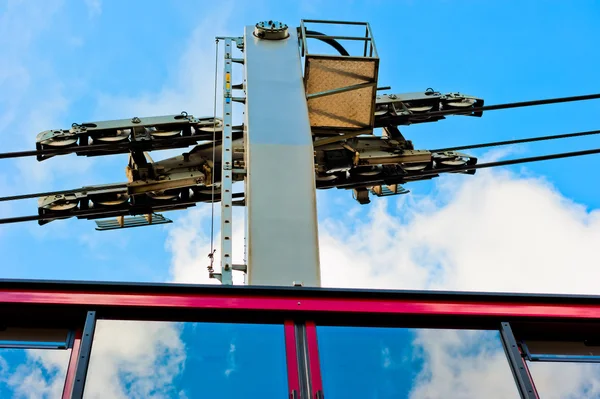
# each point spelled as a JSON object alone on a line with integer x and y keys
{"x": 281, "y": 227}
{"x": 227, "y": 172}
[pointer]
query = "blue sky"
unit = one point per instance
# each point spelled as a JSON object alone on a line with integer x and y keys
{"x": 523, "y": 228}
{"x": 83, "y": 61}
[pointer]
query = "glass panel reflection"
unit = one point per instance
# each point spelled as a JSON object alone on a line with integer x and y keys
{"x": 139, "y": 359}
{"x": 381, "y": 363}
{"x": 566, "y": 380}
{"x": 33, "y": 373}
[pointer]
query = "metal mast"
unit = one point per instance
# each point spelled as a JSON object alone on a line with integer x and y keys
{"x": 282, "y": 237}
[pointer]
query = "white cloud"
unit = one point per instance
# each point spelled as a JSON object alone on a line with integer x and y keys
{"x": 94, "y": 7}
{"x": 566, "y": 380}
{"x": 33, "y": 97}
{"x": 231, "y": 365}
{"x": 386, "y": 358}
{"x": 190, "y": 83}
{"x": 472, "y": 364}
{"x": 190, "y": 245}
{"x": 492, "y": 232}
{"x": 41, "y": 376}
{"x": 142, "y": 356}
{"x": 468, "y": 364}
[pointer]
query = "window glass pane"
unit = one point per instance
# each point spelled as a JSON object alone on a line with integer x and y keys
{"x": 135, "y": 359}
{"x": 33, "y": 373}
{"x": 385, "y": 363}
{"x": 566, "y": 380}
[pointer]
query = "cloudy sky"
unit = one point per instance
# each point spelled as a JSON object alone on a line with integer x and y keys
{"x": 530, "y": 228}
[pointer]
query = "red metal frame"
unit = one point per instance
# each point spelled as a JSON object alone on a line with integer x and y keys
{"x": 316, "y": 382}
{"x": 291, "y": 355}
{"x": 72, "y": 367}
{"x": 300, "y": 304}
{"x": 68, "y": 304}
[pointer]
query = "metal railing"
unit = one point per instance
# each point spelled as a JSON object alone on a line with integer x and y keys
{"x": 369, "y": 49}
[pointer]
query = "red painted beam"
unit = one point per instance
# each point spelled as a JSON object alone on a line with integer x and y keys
{"x": 345, "y": 305}
{"x": 316, "y": 381}
{"x": 291, "y": 355}
{"x": 72, "y": 367}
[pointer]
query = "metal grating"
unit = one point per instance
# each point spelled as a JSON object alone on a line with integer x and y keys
{"x": 341, "y": 88}
{"x": 352, "y": 109}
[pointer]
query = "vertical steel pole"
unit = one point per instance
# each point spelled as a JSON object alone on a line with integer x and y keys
{"x": 85, "y": 351}
{"x": 517, "y": 364}
{"x": 281, "y": 229}
{"x": 226, "y": 172}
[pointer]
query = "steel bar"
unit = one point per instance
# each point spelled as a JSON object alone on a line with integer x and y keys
{"x": 335, "y": 139}
{"x": 517, "y": 364}
{"x": 303, "y": 361}
{"x": 61, "y": 192}
{"x": 340, "y": 90}
{"x": 365, "y": 44}
{"x": 320, "y": 21}
{"x": 373, "y": 48}
{"x": 309, "y": 36}
{"x": 518, "y": 141}
{"x": 85, "y": 352}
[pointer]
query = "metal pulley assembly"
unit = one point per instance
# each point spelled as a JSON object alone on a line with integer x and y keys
{"x": 345, "y": 106}
{"x": 271, "y": 30}
{"x": 410, "y": 108}
{"x": 120, "y": 136}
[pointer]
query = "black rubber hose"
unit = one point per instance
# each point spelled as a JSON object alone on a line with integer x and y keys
{"x": 332, "y": 42}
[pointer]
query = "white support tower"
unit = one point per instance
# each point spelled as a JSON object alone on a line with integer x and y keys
{"x": 281, "y": 211}
{"x": 284, "y": 107}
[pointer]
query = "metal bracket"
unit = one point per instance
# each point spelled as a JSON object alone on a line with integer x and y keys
{"x": 123, "y": 222}
{"x": 240, "y": 268}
